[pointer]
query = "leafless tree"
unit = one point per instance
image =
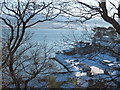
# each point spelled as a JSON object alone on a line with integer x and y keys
{"x": 84, "y": 11}
{"x": 20, "y": 56}
{"x": 30, "y": 62}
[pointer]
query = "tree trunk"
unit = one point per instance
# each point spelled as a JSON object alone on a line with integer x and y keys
{"x": 13, "y": 75}
{"x": 105, "y": 16}
{"x": 25, "y": 85}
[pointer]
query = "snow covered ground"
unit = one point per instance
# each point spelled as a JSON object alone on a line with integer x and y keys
{"x": 99, "y": 65}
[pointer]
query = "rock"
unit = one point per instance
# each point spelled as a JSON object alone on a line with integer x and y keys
{"x": 69, "y": 52}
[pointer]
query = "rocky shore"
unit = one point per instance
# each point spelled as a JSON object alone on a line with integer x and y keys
{"x": 97, "y": 61}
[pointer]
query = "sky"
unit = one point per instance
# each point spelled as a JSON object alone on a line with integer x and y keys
{"x": 93, "y": 2}
{"x": 87, "y": 1}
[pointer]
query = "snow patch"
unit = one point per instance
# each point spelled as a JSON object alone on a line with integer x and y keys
{"x": 96, "y": 70}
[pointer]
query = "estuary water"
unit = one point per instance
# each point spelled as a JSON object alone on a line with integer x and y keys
{"x": 63, "y": 34}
